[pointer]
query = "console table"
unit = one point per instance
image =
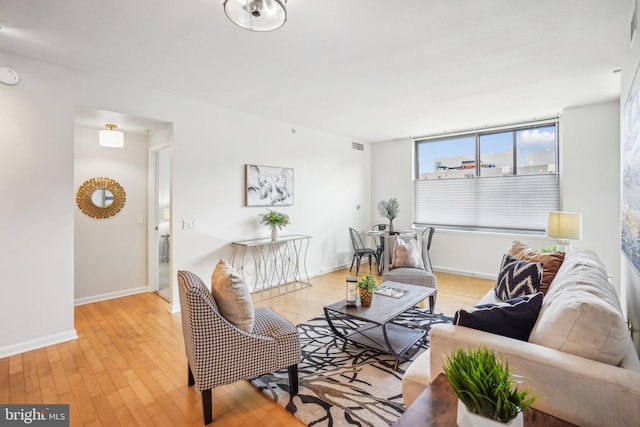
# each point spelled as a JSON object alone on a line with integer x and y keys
{"x": 275, "y": 266}
{"x": 438, "y": 405}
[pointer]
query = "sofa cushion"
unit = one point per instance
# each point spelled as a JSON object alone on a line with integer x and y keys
{"x": 232, "y": 296}
{"x": 513, "y": 318}
{"x": 517, "y": 278}
{"x": 551, "y": 261}
{"x": 407, "y": 254}
{"x": 581, "y": 314}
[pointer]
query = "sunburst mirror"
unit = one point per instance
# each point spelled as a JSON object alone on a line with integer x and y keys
{"x": 100, "y": 197}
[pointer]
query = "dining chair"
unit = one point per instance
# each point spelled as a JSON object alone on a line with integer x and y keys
{"x": 428, "y": 234}
{"x": 359, "y": 251}
{"x": 379, "y": 241}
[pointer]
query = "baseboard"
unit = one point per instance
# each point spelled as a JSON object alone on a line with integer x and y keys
{"x": 38, "y": 343}
{"x": 328, "y": 270}
{"x": 465, "y": 273}
{"x": 111, "y": 295}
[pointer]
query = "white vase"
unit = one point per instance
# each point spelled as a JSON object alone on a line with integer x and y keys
{"x": 274, "y": 233}
{"x": 469, "y": 419}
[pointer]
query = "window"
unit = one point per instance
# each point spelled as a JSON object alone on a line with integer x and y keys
{"x": 495, "y": 179}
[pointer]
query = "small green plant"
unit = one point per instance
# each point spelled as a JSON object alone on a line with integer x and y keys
{"x": 553, "y": 248}
{"x": 368, "y": 283}
{"x": 272, "y": 218}
{"x": 485, "y": 385}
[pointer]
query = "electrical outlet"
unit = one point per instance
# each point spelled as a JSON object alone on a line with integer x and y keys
{"x": 188, "y": 224}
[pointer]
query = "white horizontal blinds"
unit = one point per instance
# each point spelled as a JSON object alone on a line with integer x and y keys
{"x": 505, "y": 202}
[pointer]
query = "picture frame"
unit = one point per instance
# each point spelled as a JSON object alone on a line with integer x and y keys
{"x": 268, "y": 185}
{"x": 630, "y": 238}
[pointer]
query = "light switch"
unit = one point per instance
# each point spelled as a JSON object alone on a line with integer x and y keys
{"x": 140, "y": 220}
{"x": 188, "y": 224}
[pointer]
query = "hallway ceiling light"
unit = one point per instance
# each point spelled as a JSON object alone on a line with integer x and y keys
{"x": 257, "y": 15}
{"x": 110, "y": 137}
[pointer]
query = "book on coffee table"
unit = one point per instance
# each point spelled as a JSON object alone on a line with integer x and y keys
{"x": 390, "y": 292}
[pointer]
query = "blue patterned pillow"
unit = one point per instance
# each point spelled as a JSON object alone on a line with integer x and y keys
{"x": 517, "y": 278}
{"x": 514, "y": 318}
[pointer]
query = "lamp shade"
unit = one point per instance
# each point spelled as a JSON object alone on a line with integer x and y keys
{"x": 166, "y": 214}
{"x": 111, "y": 138}
{"x": 565, "y": 225}
{"x": 256, "y": 15}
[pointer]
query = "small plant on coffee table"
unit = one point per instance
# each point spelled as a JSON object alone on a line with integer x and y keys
{"x": 366, "y": 286}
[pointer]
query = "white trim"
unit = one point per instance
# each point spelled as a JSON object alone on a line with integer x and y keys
{"x": 37, "y": 343}
{"x": 111, "y": 295}
{"x": 488, "y": 276}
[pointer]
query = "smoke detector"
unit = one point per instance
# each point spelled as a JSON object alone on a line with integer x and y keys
{"x": 9, "y": 76}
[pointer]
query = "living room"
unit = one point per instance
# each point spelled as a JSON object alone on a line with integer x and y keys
{"x": 335, "y": 186}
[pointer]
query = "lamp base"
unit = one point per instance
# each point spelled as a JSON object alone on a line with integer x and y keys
{"x": 563, "y": 245}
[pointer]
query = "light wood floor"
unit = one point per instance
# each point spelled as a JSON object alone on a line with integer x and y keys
{"x": 128, "y": 366}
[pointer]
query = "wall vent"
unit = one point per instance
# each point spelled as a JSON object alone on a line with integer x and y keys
{"x": 357, "y": 146}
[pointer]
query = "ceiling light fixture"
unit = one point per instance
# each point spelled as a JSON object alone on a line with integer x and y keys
{"x": 256, "y": 15}
{"x": 110, "y": 137}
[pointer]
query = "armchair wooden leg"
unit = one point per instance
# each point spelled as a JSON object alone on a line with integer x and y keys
{"x": 190, "y": 380}
{"x": 432, "y": 304}
{"x": 293, "y": 379}
{"x": 207, "y": 406}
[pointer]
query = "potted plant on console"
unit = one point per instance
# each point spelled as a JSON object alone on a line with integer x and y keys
{"x": 485, "y": 389}
{"x": 366, "y": 286}
{"x": 276, "y": 220}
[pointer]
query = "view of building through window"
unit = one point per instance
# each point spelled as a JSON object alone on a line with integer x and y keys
{"x": 489, "y": 154}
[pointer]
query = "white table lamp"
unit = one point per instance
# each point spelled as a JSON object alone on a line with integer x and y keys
{"x": 564, "y": 226}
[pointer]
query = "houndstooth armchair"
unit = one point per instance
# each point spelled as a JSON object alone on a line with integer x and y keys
{"x": 412, "y": 276}
{"x": 218, "y": 353}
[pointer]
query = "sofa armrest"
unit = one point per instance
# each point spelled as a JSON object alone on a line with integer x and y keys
{"x": 568, "y": 386}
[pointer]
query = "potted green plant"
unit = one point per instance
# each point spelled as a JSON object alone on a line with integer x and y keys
{"x": 389, "y": 209}
{"x": 366, "y": 286}
{"x": 276, "y": 220}
{"x": 485, "y": 389}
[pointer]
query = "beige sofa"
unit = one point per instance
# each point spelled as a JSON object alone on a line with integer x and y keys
{"x": 579, "y": 359}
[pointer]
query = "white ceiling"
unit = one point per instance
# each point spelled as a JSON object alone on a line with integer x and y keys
{"x": 370, "y": 69}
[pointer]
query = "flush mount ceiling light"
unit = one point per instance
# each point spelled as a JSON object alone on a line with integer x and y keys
{"x": 256, "y": 15}
{"x": 110, "y": 137}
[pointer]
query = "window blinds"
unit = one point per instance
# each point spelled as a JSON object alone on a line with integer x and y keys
{"x": 506, "y": 202}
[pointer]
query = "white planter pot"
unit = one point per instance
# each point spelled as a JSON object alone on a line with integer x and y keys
{"x": 274, "y": 232}
{"x": 469, "y": 419}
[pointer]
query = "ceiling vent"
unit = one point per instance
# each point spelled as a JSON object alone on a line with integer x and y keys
{"x": 357, "y": 146}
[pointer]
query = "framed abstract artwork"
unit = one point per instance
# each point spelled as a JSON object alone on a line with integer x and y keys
{"x": 268, "y": 186}
{"x": 631, "y": 176}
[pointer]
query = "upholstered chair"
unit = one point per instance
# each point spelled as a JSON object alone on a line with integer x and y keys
{"x": 421, "y": 275}
{"x": 220, "y": 353}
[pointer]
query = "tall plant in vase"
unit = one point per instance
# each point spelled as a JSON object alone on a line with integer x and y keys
{"x": 389, "y": 209}
{"x": 276, "y": 220}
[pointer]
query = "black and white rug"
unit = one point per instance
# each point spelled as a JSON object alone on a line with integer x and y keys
{"x": 355, "y": 387}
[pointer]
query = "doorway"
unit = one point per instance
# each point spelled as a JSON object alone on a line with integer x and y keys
{"x": 163, "y": 236}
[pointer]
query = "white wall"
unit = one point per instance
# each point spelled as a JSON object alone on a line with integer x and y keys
{"x": 111, "y": 253}
{"x": 211, "y": 146}
{"x": 590, "y": 183}
{"x": 36, "y": 218}
{"x": 588, "y": 143}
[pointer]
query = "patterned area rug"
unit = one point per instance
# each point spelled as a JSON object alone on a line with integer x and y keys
{"x": 355, "y": 387}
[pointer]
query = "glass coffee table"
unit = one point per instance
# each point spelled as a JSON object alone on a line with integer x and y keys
{"x": 374, "y": 326}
